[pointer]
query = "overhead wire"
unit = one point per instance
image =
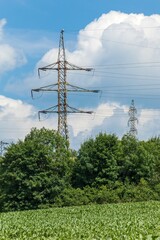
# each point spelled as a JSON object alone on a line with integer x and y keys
{"x": 125, "y": 76}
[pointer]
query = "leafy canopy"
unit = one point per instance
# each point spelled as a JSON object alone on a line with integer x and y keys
{"x": 35, "y": 170}
{"x": 97, "y": 161}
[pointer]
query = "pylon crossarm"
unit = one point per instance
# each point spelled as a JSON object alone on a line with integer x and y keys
{"x": 75, "y": 110}
{"x": 48, "y": 67}
{"x": 49, "y": 88}
{"x": 132, "y": 108}
{"x": 79, "y": 89}
{"x": 74, "y": 67}
{"x": 48, "y": 110}
{"x": 5, "y": 143}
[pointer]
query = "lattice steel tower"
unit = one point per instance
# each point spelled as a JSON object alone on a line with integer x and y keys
{"x": 3, "y": 146}
{"x": 132, "y": 120}
{"x": 62, "y": 87}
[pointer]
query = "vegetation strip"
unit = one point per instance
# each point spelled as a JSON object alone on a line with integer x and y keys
{"x": 128, "y": 221}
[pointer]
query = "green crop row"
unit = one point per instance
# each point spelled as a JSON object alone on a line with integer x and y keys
{"x": 125, "y": 221}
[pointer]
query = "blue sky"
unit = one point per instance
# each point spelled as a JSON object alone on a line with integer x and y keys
{"x": 118, "y": 38}
{"x": 70, "y": 15}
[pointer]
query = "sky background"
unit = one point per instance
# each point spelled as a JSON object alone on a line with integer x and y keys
{"x": 119, "y": 39}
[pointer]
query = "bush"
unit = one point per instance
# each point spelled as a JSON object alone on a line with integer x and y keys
{"x": 72, "y": 197}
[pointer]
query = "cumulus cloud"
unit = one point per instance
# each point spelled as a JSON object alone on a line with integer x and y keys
{"x": 89, "y": 122}
{"x": 17, "y": 118}
{"x": 149, "y": 123}
{"x": 124, "y": 51}
{"x": 108, "y": 117}
{"x": 115, "y": 38}
{"x": 10, "y": 57}
{"x": 2, "y": 24}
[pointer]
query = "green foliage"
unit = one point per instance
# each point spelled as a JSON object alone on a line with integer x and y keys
{"x": 135, "y": 161}
{"x": 119, "y": 192}
{"x": 129, "y": 221}
{"x": 34, "y": 171}
{"x": 106, "y": 195}
{"x": 97, "y": 162}
{"x": 143, "y": 192}
{"x": 105, "y": 159}
{"x": 153, "y": 147}
{"x": 72, "y": 197}
{"x": 40, "y": 171}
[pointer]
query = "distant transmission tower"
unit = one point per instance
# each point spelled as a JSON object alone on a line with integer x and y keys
{"x": 62, "y": 87}
{"x": 132, "y": 120}
{"x": 3, "y": 147}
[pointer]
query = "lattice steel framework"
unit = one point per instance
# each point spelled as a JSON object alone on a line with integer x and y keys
{"x": 62, "y": 87}
{"x": 3, "y": 146}
{"x": 132, "y": 120}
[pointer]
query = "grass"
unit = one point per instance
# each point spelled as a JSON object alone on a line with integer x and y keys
{"x": 126, "y": 221}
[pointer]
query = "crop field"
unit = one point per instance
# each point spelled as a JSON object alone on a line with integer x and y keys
{"x": 94, "y": 222}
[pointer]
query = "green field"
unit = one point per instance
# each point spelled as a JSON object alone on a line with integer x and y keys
{"x": 94, "y": 222}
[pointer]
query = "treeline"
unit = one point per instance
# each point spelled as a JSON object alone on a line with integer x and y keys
{"x": 42, "y": 171}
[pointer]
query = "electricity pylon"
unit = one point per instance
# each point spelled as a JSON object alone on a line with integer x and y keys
{"x": 62, "y": 87}
{"x": 3, "y": 147}
{"x": 132, "y": 120}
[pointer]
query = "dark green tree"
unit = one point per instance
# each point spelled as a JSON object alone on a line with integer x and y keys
{"x": 135, "y": 160}
{"x": 34, "y": 171}
{"x": 97, "y": 162}
{"x": 153, "y": 147}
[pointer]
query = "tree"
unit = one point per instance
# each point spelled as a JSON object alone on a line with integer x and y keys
{"x": 97, "y": 162}
{"x": 153, "y": 147}
{"x": 34, "y": 171}
{"x": 135, "y": 161}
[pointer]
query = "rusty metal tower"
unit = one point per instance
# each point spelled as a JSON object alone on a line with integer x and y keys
{"x": 62, "y": 87}
{"x": 3, "y": 146}
{"x": 132, "y": 120}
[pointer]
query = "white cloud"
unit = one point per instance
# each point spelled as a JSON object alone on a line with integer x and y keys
{"x": 2, "y": 24}
{"x": 149, "y": 123}
{"x": 130, "y": 40}
{"x": 115, "y": 38}
{"x": 10, "y": 57}
{"x": 111, "y": 118}
{"x": 17, "y": 118}
{"x": 87, "y": 122}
